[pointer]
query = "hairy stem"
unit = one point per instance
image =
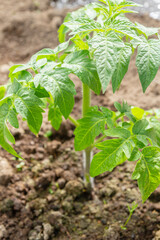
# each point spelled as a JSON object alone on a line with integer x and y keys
{"x": 74, "y": 121}
{"x": 87, "y": 153}
{"x": 87, "y": 158}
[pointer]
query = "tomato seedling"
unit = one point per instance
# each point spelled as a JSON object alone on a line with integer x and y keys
{"x": 101, "y": 40}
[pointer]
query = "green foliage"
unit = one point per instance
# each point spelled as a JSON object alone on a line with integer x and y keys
{"x": 121, "y": 67}
{"x": 54, "y": 116}
{"x": 5, "y": 135}
{"x": 89, "y": 127}
{"x": 148, "y": 61}
{"x": 131, "y": 210}
{"x": 81, "y": 65}
{"x": 147, "y": 171}
{"x": 96, "y": 44}
{"x": 132, "y": 144}
{"x": 2, "y": 92}
{"x": 106, "y": 49}
{"x": 58, "y": 84}
{"x": 29, "y": 107}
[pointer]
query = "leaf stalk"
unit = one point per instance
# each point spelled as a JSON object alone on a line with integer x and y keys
{"x": 73, "y": 120}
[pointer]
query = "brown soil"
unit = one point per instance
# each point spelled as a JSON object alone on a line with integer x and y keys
{"x": 46, "y": 197}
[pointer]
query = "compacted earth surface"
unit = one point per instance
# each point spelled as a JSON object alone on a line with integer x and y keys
{"x": 44, "y": 197}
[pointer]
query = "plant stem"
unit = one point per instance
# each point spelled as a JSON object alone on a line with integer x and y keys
{"x": 131, "y": 211}
{"x": 130, "y": 215}
{"x": 87, "y": 153}
{"x": 87, "y": 158}
{"x": 86, "y": 99}
{"x": 99, "y": 140}
{"x": 74, "y": 121}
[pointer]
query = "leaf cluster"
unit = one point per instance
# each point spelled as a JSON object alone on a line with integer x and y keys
{"x": 111, "y": 38}
{"x": 131, "y": 134}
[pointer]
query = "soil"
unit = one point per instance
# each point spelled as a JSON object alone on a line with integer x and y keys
{"x": 44, "y": 197}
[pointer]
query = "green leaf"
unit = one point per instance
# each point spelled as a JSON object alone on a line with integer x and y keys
{"x": 90, "y": 10}
{"x": 140, "y": 141}
{"x": 29, "y": 107}
{"x": 40, "y": 92}
{"x": 19, "y": 68}
{"x": 122, "y": 108}
{"x": 19, "y": 72}
{"x": 80, "y": 64}
{"x": 136, "y": 42}
{"x": 147, "y": 31}
{"x": 154, "y": 132}
{"x": 78, "y": 14}
{"x": 147, "y": 171}
{"x": 137, "y": 112}
{"x": 82, "y": 25}
{"x": 106, "y": 56}
{"x": 89, "y": 127}
{"x": 61, "y": 87}
{"x": 79, "y": 43}
{"x": 61, "y": 47}
{"x": 103, "y": 1}
{"x": 122, "y": 67}
{"x": 120, "y": 12}
{"x": 124, "y": 3}
{"x": 49, "y": 67}
{"x": 140, "y": 126}
{"x": 62, "y": 33}
{"x": 5, "y": 135}
{"x": 135, "y": 155}
{"x": 2, "y": 92}
{"x": 107, "y": 112}
{"x": 105, "y": 145}
{"x": 55, "y": 116}
{"x": 40, "y": 63}
{"x": 13, "y": 68}
{"x": 9, "y": 136}
{"x": 100, "y": 8}
{"x": 118, "y": 132}
{"x": 23, "y": 76}
{"x": 115, "y": 153}
{"x": 143, "y": 139}
{"x": 125, "y": 109}
{"x": 40, "y": 58}
{"x": 46, "y": 53}
{"x": 12, "y": 118}
{"x": 148, "y": 61}
{"x": 127, "y": 125}
{"x": 123, "y": 26}
{"x": 14, "y": 87}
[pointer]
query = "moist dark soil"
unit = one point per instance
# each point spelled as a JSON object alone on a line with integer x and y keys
{"x": 44, "y": 196}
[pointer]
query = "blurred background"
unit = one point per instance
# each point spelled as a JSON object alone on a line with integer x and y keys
{"x": 152, "y": 7}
